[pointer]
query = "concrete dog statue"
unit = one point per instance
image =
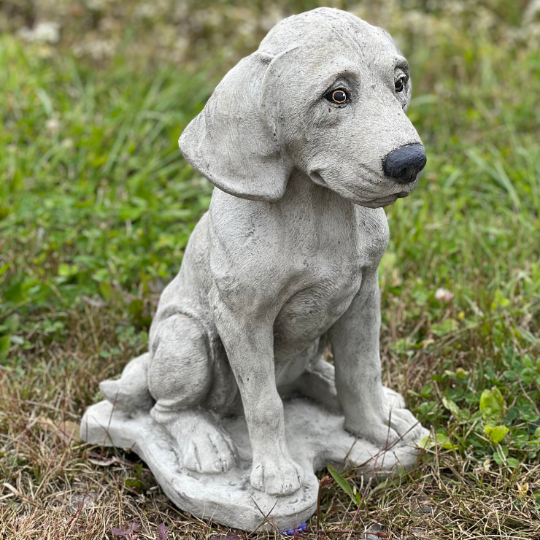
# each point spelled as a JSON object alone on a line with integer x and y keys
{"x": 306, "y": 140}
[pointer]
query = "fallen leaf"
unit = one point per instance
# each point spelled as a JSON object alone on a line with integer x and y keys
{"x": 82, "y": 500}
{"x": 128, "y": 533}
{"x": 162, "y": 532}
{"x": 67, "y": 430}
{"x": 70, "y": 430}
{"x": 104, "y": 462}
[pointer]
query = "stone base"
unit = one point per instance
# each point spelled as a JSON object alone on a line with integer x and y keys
{"x": 315, "y": 438}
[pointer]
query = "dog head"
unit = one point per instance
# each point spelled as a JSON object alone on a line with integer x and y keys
{"x": 327, "y": 94}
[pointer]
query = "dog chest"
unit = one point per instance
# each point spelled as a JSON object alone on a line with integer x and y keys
{"x": 331, "y": 279}
{"x": 309, "y": 251}
{"x": 309, "y": 312}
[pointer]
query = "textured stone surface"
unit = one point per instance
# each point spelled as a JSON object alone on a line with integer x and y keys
{"x": 280, "y": 270}
{"x": 315, "y": 437}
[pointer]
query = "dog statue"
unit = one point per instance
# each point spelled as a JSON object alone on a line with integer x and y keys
{"x": 306, "y": 140}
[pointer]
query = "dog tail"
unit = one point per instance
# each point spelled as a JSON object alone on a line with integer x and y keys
{"x": 130, "y": 392}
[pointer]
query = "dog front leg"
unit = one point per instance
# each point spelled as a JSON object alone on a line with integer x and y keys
{"x": 355, "y": 345}
{"x": 249, "y": 343}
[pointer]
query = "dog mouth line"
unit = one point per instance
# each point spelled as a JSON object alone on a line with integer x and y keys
{"x": 383, "y": 199}
{"x": 392, "y": 197}
{"x": 399, "y": 195}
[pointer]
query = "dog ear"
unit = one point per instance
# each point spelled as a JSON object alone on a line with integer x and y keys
{"x": 234, "y": 141}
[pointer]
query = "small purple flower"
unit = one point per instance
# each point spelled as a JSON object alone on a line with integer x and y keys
{"x": 298, "y": 529}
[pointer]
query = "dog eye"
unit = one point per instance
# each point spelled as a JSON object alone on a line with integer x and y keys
{"x": 399, "y": 84}
{"x": 338, "y": 96}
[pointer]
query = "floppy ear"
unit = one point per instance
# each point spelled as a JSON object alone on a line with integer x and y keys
{"x": 232, "y": 142}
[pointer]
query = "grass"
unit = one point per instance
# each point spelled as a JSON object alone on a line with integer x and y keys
{"x": 97, "y": 204}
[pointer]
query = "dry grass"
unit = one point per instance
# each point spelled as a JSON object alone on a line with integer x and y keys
{"x": 55, "y": 487}
{"x": 96, "y": 206}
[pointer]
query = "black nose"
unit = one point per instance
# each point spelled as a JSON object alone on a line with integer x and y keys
{"x": 404, "y": 164}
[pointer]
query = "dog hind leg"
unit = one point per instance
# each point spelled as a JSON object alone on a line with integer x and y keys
{"x": 179, "y": 379}
{"x": 318, "y": 383}
{"x": 130, "y": 392}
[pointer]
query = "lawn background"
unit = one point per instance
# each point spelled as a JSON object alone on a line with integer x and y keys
{"x": 97, "y": 204}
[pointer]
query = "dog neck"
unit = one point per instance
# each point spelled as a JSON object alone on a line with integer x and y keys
{"x": 303, "y": 190}
{"x": 308, "y": 201}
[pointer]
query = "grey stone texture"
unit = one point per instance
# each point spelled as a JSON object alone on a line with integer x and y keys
{"x": 315, "y": 437}
{"x": 306, "y": 140}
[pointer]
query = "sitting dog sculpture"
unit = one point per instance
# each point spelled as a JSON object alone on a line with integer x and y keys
{"x": 306, "y": 140}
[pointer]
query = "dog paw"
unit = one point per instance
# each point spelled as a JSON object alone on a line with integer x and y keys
{"x": 130, "y": 392}
{"x": 205, "y": 447}
{"x": 405, "y": 424}
{"x": 278, "y": 477}
{"x": 390, "y": 427}
{"x": 393, "y": 398}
